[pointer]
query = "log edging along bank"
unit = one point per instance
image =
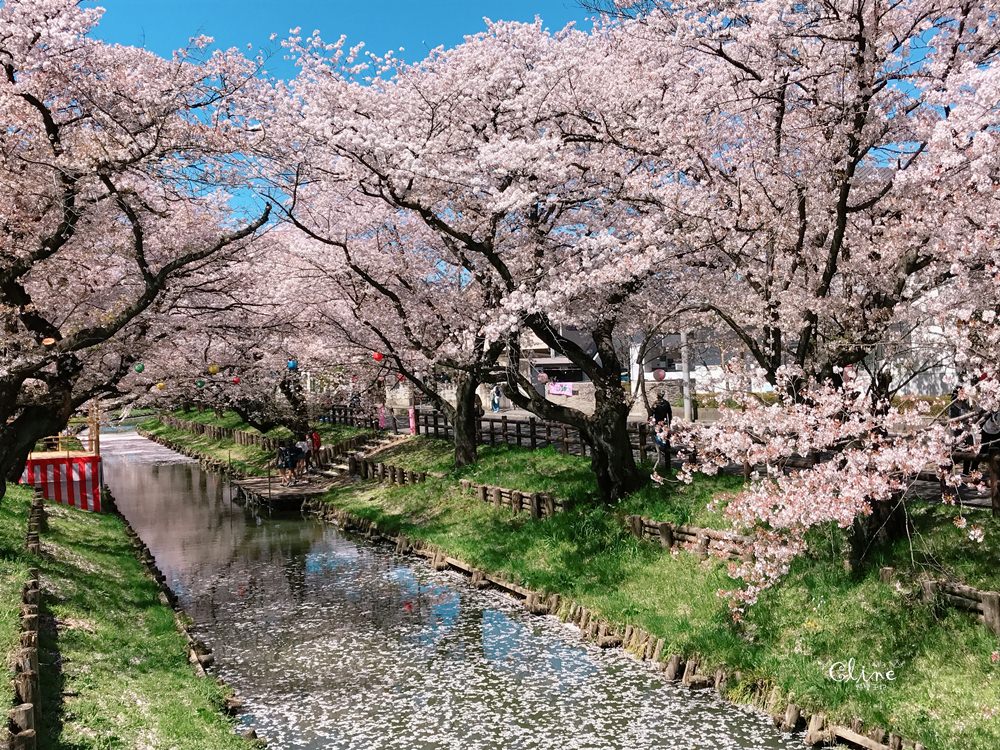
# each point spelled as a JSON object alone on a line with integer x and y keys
{"x": 200, "y": 655}
{"x": 24, "y": 718}
{"x": 675, "y": 668}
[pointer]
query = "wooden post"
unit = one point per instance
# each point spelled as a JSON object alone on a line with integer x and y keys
{"x": 503, "y": 428}
{"x": 673, "y": 669}
{"x": 703, "y": 547}
{"x": 791, "y": 719}
{"x": 995, "y": 485}
{"x": 26, "y": 688}
{"x": 516, "y": 501}
{"x": 496, "y": 497}
{"x": 928, "y": 591}
{"x": 642, "y": 442}
{"x": 517, "y": 433}
{"x": 550, "y": 505}
{"x": 25, "y": 740}
{"x": 536, "y": 505}
{"x": 483, "y": 493}
{"x": 436, "y": 424}
{"x": 635, "y": 524}
{"x": 493, "y": 440}
{"x": 666, "y": 535}
{"x": 565, "y": 439}
{"x": 991, "y": 610}
{"x": 22, "y": 717}
{"x": 532, "y": 426}
{"x": 815, "y": 734}
{"x": 548, "y": 434}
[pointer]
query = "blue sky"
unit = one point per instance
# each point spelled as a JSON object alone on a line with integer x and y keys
{"x": 418, "y": 26}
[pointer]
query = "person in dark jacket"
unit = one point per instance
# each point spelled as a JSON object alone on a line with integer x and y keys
{"x": 660, "y": 418}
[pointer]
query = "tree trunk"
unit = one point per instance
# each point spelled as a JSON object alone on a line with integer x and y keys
{"x": 18, "y": 437}
{"x": 291, "y": 389}
{"x": 886, "y": 523}
{"x": 466, "y": 420}
{"x": 612, "y": 460}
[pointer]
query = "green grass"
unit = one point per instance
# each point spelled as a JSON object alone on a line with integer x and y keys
{"x": 700, "y": 503}
{"x": 818, "y": 616}
{"x": 251, "y": 459}
{"x": 942, "y": 550}
{"x": 330, "y": 433}
{"x": 125, "y": 681}
{"x": 14, "y": 564}
{"x": 542, "y": 470}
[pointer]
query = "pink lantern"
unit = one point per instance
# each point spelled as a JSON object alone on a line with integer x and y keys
{"x": 236, "y": 380}
{"x": 378, "y": 356}
{"x": 659, "y": 374}
{"x": 543, "y": 378}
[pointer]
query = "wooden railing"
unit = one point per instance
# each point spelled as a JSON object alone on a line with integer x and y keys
{"x": 524, "y": 433}
{"x": 701, "y": 541}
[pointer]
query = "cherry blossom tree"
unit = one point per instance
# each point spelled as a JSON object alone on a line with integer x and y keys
{"x": 838, "y": 194}
{"x": 508, "y": 149}
{"x": 114, "y": 165}
{"x": 389, "y": 287}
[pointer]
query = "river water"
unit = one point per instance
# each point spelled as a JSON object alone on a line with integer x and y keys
{"x": 336, "y": 642}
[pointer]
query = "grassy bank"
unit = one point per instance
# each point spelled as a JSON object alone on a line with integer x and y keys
{"x": 330, "y": 433}
{"x": 14, "y": 564}
{"x": 114, "y": 668}
{"x": 568, "y": 477}
{"x": 945, "y": 688}
{"x": 250, "y": 459}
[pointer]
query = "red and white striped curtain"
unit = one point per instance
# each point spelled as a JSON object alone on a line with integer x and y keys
{"x": 70, "y": 480}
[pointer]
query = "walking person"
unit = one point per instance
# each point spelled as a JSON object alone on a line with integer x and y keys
{"x": 286, "y": 463}
{"x": 302, "y": 458}
{"x": 495, "y": 395}
{"x": 660, "y": 418}
{"x": 317, "y": 443}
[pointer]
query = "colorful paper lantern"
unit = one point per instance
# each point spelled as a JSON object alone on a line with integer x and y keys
{"x": 213, "y": 369}
{"x": 236, "y": 380}
{"x": 543, "y": 378}
{"x": 378, "y": 356}
{"x": 659, "y": 374}
{"x": 200, "y": 383}
{"x": 161, "y": 386}
{"x": 139, "y": 367}
{"x": 293, "y": 364}
{"x": 48, "y": 341}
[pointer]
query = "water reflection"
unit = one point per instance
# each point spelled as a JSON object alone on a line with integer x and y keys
{"x": 336, "y": 643}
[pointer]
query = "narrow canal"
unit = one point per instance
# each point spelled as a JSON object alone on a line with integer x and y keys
{"x": 334, "y": 642}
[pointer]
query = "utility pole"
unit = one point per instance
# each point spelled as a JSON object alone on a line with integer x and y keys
{"x": 686, "y": 376}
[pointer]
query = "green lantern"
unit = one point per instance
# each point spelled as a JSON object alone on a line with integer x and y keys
{"x": 139, "y": 367}
{"x": 200, "y": 383}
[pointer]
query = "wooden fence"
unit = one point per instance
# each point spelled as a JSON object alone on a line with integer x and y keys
{"x": 240, "y": 437}
{"x": 702, "y": 542}
{"x": 368, "y": 469}
{"x": 539, "y": 504}
{"x": 524, "y": 433}
{"x": 24, "y": 718}
{"x": 985, "y": 605}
